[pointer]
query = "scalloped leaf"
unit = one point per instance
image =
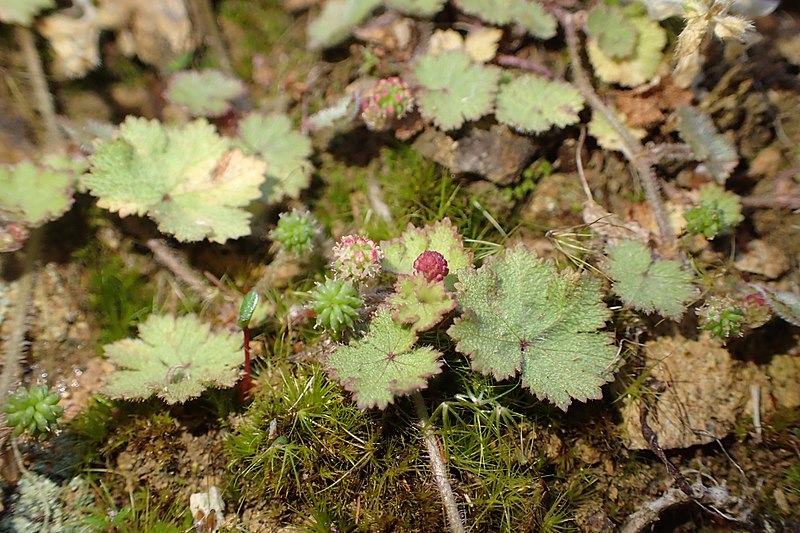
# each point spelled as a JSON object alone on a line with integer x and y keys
{"x": 646, "y": 284}
{"x": 634, "y": 70}
{"x": 285, "y": 150}
{"x": 336, "y": 20}
{"x": 615, "y": 35}
{"x": 175, "y": 358}
{"x": 712, "y": 148}
{"x": 205, "y": 93}
{"x": 23, "y": 12}
{"x": 399, "y": 254}
{"x": 531, "y": 15}
{"x": 186, "y": 178}
{"x": 417, "y": 8}
{"x": 420, "y": 303}
{"x": 454, "y": 89}
{"x": 532, "y": 104}
{"x": 520, "y": 315}
{"x": 33, "y": 194}
{"x": 383, "y": 364}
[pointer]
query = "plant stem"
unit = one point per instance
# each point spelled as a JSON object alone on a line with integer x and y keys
{"x": 246, "y": 376}
{"x": 631, "y": 148}
{"x": 14, "y": 346}
{"x": 437, "y": 466}
{"x": 203, "y": 17}
{"x": 41, "y": 94}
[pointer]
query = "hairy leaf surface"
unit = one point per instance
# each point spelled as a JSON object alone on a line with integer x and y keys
{"x": 175, "y": 358}
{"x": 522, "y": 316}
{"x": 186, "y": 178}
{"x": 383, "y": 364}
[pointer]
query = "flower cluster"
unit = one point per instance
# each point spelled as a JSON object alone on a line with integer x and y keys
{"x": 721, "y": 317}
{"x": 391, "y": 99}
{"x": 432, "y": 265}
{"x": 356, "y": 258}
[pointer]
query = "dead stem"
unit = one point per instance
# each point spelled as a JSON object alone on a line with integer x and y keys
{"x": 507, "y": 60}
{"x": 166, "y": 257}
{"x": 206, "y": 24}
{"x": 14, "y": 346}
{"x": 41, "y": 94}
{"x": 631, "y": 148}
{"x": 437, "y": 466}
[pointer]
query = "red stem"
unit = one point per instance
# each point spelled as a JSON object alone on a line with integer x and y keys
{"x": 246, "y": 377}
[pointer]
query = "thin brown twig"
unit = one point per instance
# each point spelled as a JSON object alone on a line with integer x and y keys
{"x": 41, "y": 93}
{"x": 631, "y": 148}
{"x": 507, "y": 60}
{"x": 454, "y": 522}
{"x": 164, "y": 255}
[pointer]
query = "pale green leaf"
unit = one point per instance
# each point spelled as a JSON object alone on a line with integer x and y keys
{"x": 530, "y": 14}
{"x": 638, "y": 68}
{"x": 33, "y": 194}
{"x": 186, "y": 178}
{"x": 383, "y": 364}
{"x": 615, "y": 35}
{"x": 336, "y": 20}
{"x": 533, "y": 104}
{"x": 285, "y": 150}
{"x": 22, "y": 11}
{"x": 417, "y": 8}
{"x": 204, "y": 93}
{"x": 707, "y": 145}
{"x": 175, "y": 358}
{"x": 454, "y": 88}
{"x": 520, "y": 315}
{"x": 399, "y": 254}
{"x": 420, "y": 303}
{"x": 646, "y": 284}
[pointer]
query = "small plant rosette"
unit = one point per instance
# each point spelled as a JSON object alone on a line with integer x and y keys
{"x": 34, "y": 410}
{"x": 295, "y": 232}
{"x": 721, "y": 317}
{"x": 336, "y": 303}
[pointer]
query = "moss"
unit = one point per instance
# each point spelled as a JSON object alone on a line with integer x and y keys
{"x": 329, "y": 458}
{"x": 119, "y": 296}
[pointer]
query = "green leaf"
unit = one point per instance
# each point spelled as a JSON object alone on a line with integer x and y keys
{"x": 532, "y": 104}
{"x": 646, "y": 284}
{"x": 383, "y": 364}
{"x": 707, "y": 145}
{"x": 22, "y": 11}
{"x": 399, "y": 254}
{"x": 417, "y": 8}
{"x": 33, "y": 194}
{"x": 717, "y": 213}
{"x": 420, "y": 303}
{"x": 638, "y": 68}
{"x": 530, "y": 15}
{"x": 175, "y": 358}
{"x": 285, "y": 150}
{"x": 185, "y": 178}
{"x": 615, "y": 35}
{"x": 247, "y": 308}
{"x": 336, "y": 20}
{"x": 454, "y": 88}
{"x": 520, "y": 315}
{"x": 204, "y": 93}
